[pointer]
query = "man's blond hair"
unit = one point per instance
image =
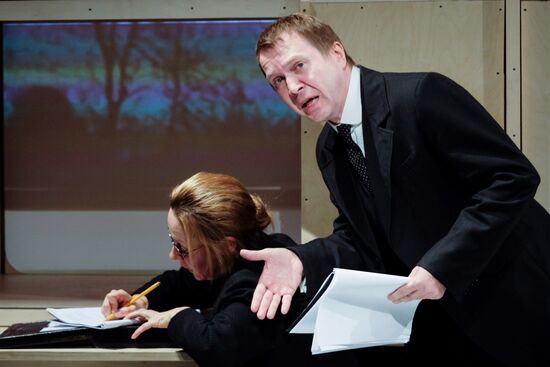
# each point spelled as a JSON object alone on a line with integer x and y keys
{"x": 319, "y": 34}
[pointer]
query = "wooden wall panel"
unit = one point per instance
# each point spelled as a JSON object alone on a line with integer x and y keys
{"x": 461, "y": 39}
{"x": 535, "y": 90}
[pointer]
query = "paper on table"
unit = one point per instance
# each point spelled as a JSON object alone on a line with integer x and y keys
{"x": 351, "y": 310}
{"x": 83, "y": 317}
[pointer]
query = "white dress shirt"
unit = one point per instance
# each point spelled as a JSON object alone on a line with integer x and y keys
{"x": 353, "y": 112}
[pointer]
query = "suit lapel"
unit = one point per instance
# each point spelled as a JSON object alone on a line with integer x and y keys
{"x": 339, "y": 177}
{"x": 333, "y": 162}
{"x": 375, "y": 111}
{"x": 378, "y": 141}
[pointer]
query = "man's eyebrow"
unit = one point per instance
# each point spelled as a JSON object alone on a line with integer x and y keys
{"x": 292, "y": 60}
{"x": 268, "y": 76}
{"x": 284, "y": 65}
{"x": 265, "y": 71}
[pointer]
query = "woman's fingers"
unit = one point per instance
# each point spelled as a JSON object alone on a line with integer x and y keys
{"x": 114, "y": 300}
{"x": 140, "y": 330}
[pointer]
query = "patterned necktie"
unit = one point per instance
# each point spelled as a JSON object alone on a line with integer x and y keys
{"x": 355, "y": 156}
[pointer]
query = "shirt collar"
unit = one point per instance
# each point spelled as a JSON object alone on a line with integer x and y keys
{"x": 352, "y": 113}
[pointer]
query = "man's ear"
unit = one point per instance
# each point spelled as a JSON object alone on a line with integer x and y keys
{"x": 231, "y": 243}
{"x": 339, "y": 52}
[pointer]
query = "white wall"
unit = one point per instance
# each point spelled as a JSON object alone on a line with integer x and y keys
{"x": 97, "y": 241}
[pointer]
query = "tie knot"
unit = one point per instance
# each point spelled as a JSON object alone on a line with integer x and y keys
{"x": 344, "y": 130}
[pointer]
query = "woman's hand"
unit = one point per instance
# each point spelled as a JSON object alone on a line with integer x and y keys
{"x": 116, "y": 299}
{"x": 154, "y": 319}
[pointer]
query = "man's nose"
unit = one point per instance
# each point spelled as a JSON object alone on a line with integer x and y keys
{"x": 294, "y": 85}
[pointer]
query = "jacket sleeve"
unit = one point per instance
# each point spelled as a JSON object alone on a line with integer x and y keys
{"x": 232, "y": 335}
{"x": 499, "y": 180}
{"x": 339, "y": 250}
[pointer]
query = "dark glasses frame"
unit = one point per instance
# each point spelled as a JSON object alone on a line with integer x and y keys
{"x": 177, "y": 246}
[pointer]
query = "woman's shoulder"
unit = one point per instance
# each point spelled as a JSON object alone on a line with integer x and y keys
{"x": 281, "y": 240}
{"x": 263, "y": 240}
{"x": 245, "y": 273}
{"x": 243, "y": 276}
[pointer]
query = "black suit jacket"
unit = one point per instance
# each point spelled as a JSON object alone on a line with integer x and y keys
{"x": 459, "y": 203}
{"x": 226, "y": 333}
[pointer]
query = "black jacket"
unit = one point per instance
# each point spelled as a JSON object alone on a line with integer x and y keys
{"x": 459, "y": 203}
{"x": 225, "y": 332}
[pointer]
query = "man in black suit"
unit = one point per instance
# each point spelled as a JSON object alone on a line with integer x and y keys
{"x": 427, "y": 185}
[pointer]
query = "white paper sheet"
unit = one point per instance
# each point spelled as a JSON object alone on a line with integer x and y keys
{"x": 82, "y": 317}
{"x": 352, "y": 311}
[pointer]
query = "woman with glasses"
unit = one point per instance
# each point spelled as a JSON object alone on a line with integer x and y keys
{"x": 211, "y": 217}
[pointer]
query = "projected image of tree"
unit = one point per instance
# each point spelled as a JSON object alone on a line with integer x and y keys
{"x": 110, "y": 115}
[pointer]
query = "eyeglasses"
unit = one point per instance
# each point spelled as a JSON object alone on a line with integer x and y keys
{"x": 177, "y": 246}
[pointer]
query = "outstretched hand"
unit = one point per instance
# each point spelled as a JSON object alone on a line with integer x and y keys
{"x": 281, "y": 276}
{"x": 421, "y": 285}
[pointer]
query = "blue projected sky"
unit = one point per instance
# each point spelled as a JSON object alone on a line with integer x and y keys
{"x": 203, "y": 67}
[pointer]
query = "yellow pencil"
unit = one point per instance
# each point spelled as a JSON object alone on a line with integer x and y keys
{"x": 135, "y": 298}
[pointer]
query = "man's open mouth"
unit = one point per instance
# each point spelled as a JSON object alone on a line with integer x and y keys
{"x": 308, "y": 102}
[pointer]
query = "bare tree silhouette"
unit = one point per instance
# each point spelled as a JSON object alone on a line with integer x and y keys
{"x": 115, "y": 57}
{"x": 164, "y": 49}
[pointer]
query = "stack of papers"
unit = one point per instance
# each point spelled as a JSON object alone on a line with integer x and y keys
{"x": 83, "y": 317}
{"x": 351, "y": 310}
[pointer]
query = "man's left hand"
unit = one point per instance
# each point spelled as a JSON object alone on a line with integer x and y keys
{"x": 421, "y": 285}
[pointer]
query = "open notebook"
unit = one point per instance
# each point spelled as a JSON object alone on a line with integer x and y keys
{"x": 82, "y": 317}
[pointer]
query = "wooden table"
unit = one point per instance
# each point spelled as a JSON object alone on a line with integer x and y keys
{"x": 94, "y": 357}
{"x": 23, "y": 298}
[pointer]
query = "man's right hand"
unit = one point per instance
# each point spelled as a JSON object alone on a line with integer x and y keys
{"x": 281, "y": 276}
